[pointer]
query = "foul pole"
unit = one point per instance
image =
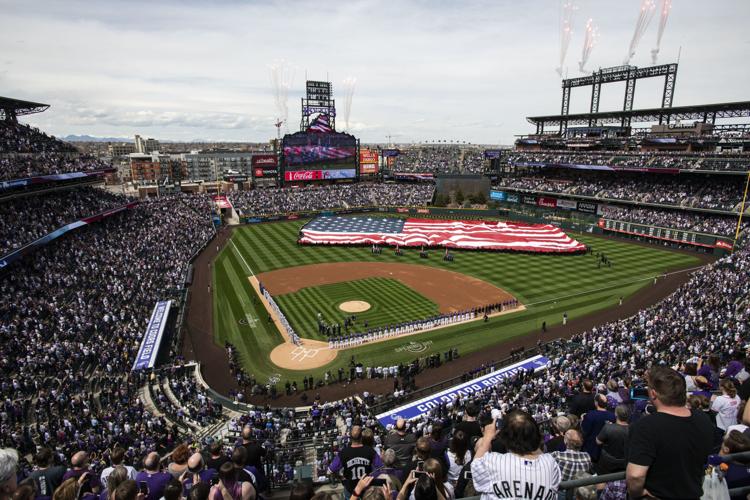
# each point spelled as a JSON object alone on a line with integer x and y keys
{"x": 742, "y": 212}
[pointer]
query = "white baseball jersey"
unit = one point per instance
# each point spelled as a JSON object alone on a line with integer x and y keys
{"x": 506, "y": 475}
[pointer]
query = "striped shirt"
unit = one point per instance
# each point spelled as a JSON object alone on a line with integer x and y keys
{"x": 506, "y": 475}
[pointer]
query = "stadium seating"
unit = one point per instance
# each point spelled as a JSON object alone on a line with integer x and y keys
{"x": 309, "y": 199}
{"x": 633, "y": 159}
{"x": 443, "y": 159}
{"x": 710, "y": 192}
{"x": 73, "y": 314}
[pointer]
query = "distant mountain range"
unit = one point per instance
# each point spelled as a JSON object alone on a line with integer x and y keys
{"x": 88, "y": 138}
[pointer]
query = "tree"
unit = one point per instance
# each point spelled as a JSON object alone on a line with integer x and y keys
{"x": 459, "y": 197}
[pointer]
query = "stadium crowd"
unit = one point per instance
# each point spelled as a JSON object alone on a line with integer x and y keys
{"x": 675, "y": 219}
{"x": 73, "y": 315}
{"x": 92, "y": 403}
{"x": 19, "y": 167}
{"x": 19, "y": 138}
{"x": 284, "y": 200}
{"x": 633, "y": 159}
{"x": 720, "y": 193}
{"x": 27, "y": 152}
{"x": 23, "y": 220}
{"x": 445, "y": 159}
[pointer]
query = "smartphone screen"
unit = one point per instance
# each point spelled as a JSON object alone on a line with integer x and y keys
{"x": 377, "y": 482}
{"x": 639, "y": 393}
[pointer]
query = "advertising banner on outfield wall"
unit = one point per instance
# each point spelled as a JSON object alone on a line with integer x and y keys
{"x": 546, "y": 202}
{"x": 497, "y": 195}
{"x": 422, "y": 406}
{"x": 567, "y": 204}
{"x": 529, "y": 200}
{"x": 513, "y": 198}
{"x": 587, "y": 207}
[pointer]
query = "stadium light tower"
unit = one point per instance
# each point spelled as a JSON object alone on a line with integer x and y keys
{"x": 278, "y": 125}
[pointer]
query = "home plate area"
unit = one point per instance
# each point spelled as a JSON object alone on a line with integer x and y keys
{"x": 302, "y": 352}
{"x": 312, "y": 354}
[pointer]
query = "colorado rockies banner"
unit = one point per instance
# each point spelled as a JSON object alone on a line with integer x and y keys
{"x": 152, "y": 338}
{"x": 420, "y": 407}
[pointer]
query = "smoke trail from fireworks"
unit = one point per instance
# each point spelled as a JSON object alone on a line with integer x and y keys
{"x": 567, "y": 8}
{"x": 648, "y": 8}
{"x": 282, "y": 76}
{"x": 349, "y": 84}
{"x": 589, "y": 41}
{"x": 666, "y": 7}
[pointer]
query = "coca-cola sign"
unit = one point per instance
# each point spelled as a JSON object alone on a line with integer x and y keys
{"x": 303, "y": 175}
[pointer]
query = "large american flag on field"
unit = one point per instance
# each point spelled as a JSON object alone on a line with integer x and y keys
{"x": 477, "y": 235}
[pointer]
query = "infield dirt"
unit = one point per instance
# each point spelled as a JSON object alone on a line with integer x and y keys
{"x": 451, "y": 291}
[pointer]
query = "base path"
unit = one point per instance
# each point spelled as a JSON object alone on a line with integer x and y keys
{"x": 451, "y": 291}
{"x": 309, "y": 354}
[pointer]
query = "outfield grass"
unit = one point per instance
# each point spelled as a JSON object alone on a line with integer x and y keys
{"x": 548, "y": 285}
{"x": 391, "y": 302}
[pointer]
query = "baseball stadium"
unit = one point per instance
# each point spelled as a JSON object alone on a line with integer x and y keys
{"x": 311, "y": 312}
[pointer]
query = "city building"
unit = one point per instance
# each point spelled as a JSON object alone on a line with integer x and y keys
{"x": 120, "y": 149}
{"x": 146, "y": 146}
{"x": 214, "y": 165}
{"x": 153, "y": 168}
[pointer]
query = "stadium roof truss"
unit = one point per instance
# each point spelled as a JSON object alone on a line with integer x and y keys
{"x": 706, "y": 113}
{"x": 10, "y": 108}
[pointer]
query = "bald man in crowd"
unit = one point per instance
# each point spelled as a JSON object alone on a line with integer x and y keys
{"x": 79, "y": 465}
{"x": 154, "y": 479}
{"x": 401, "y": 441}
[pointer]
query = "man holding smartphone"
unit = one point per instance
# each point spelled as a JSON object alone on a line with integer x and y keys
{"x": 151, "y": 479}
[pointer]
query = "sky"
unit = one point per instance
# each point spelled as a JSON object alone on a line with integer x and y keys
{"x": 425, "y": 70}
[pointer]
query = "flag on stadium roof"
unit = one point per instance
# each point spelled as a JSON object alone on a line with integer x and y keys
{"x": 476, "y": 235}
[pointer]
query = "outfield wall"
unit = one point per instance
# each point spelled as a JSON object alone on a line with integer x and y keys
{"x": 534, "y": 211}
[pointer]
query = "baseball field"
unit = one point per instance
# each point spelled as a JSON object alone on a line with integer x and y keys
{"x": 321, "y": 282}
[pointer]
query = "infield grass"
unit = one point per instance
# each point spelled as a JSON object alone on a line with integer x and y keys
{"x": 391, "y": 302}
{"x": 548, "y": 285}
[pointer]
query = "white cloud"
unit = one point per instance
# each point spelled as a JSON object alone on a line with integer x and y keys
{"x": 463, "y": 70}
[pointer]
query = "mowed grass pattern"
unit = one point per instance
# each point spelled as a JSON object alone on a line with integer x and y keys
{"x": 549, "y": 285}
{"x": 391, "y": 302}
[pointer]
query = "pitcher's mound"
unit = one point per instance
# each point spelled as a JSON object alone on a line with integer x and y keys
{"x": 354, "y": 306}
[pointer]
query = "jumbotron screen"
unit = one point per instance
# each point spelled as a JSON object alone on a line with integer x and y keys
{"x": 307, "y": 150}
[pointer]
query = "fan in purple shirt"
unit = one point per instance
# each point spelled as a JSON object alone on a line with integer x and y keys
{"x": 155, "y": 480}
